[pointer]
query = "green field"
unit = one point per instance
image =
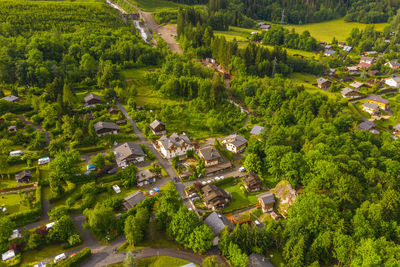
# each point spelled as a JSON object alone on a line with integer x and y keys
{"x": 240, "y": 198}
{"x": 161, "y": 261}
{"x": 12, "y": 203}
{"x": 325, "y": 31}
{"x": 240, "y": 34}
{"x": 156, "y": 5}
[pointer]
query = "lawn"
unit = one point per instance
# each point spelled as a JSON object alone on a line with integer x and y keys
{"x": 325, "y": 31}
{"x": 307, "y": 80}
{"x": 162, "y": 261}
{"x": 275, "y": 256}
{"x": 35, "y": 256}
{"x": 154, "y": 238}
{"x": 240, "y": 34}
{"x": 12, "y": 203}
{"x": 8, "y": 183}
{"x": 240, "y": 198}
{"x": 156, "y": 5}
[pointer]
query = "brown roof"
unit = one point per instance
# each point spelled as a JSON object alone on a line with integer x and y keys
{"x": 128, "y": 149}
{"x": 92, "y": 96}
{"x": 251, "y": 179}
{"x": 209, "y": 153}
{"x": 212, "y": 192}
{"x": 23, "y": 174}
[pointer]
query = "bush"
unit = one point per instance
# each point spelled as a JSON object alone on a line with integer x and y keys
{"x": 74, "y": 240}
{"x": 76, "y": 259}
{"x": 149, "y": 154}
{"x": 25, "y": 217}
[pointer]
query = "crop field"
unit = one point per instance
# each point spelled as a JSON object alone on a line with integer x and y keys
{"x": 325, "y": 31}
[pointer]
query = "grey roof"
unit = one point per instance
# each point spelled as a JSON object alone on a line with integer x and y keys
{"x": 11, "y": 98}
{"x": 330, "y": 52}
{"x": 127, "y": 149}
{"x": 378, "y": 99}
{"x": 369, "y": 105}
{"x": 394, "y": 63}
{"x": 397, "y": 127}
{"x": 367, "y": 125}
{"x": 134, "y": 198}
{"x": 105, "y": 125}
{"x": 396, "y": 79}
{"x": 209, "y": 153}
{"x": 258, "y": 260}
{"x": 217, "y": 222}
{"x": 155, "y": 124}
{"x": 267, "y": 197}
{"x": 347, "y": 90}
{"x": 92, "y": 96}
{"x": 322, "y": 80}
{"x": 236, "y": 140}
{"x": 145, "y": 175}
{"x": 356, "y": 84}
{"x": 24, "y": 173}
{"x": 367, "y": 59}
{"x": 174, "y": 139}
{"x": 256, "y": 129}
{"x": 347, "y": 48}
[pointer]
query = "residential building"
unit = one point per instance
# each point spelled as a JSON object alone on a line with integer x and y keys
{"x": 356, "y": 85}
{"x": 350, "y": 93}
{"x": 368, "y": 60}
{"x": 265, "y": 27}
{"x": 393, "y": 81}
{"x": 215, "y": 198}
{"x": 120, "y": 122}
{"x": 329, "y": 52}
{"x": 396, "y": 129}
{"x": 145, "y": 177}
{"x": 23, "y": 177}
{"x": 175, "y": 145}
{"x": 12, "y": 128}
{"x": 256, "y": 130}
{"x": 218, "y": 222}
{"x": 266, "y": 201}
{"x": 8, "y": 255}
{"x": 347, "y": 48}
{"x": 157, "y": 127}
{"x": 128, "y": 153}
{"x": 393, "y": 64}
{"x": 341, "y": 44}
{"x": 133, "y": 199}
{"x": 380, "y": 101}
{"x": 235, "y": 143}
{"x": 113, "y": 111}
{"x": 369, "y": 126}
{"x": 370, "y": 53}
{"x": 252, "y": 183}
{"x": 259, "y": 260}
{"x": 210, "y": 155}
{"x": 323, "y": 83}
{"x": 103, "y": 128}
{"x": 352, "y": 70}
{"x": 11, "y": 98}
{"x": 371, "y": 108}
{"x": 92, "y": 100}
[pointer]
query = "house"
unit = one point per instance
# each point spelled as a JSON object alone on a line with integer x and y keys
{"x": 11, "y": 98}
{"x": 352, "y": 70}
{"x": 220, "y": 167}
{"x": 266, "y": 201}
{"x": 120, "y": 122}
{"x": 218, "y": 222}
{"x": 393, "y": 82}
{"x": 371, "y": 108}
{"x": 329, "y": 52}
{"x": 8, "y": 255}
{"x": 145, "y": 177}
{"x": 175, "y": 145}
{"x": 256, "y": 130}
{"x": 380, "y": 101}
{"x": 235, "y": 143}
{"x": 347, "y": 92}
{"x": 252, "y": 183}
{"x": 215, "y": 198}
{"x": 393, "y": 64}
{"x": 370, "y": 53}
{"x": 265, "y": 27}
{"x": 12, "y": 128}
{"x": 92, "y": 100}
{"x": 133, "y": 199}
{"x": 367, "y": 60}
{"x": 347, "y": 48}
{"x": 331, "y": 72}
{"x": 369, "y": 126}
{"x": 341, "y": 44}
{"x": 23, "y": 177}
{"x": 323, "y": 83}
{"x": 258, "y": 260}
{"x": 356, "y": 85}
{"x": 396, "y": 129}
{"x": 103, "y": 128}
{"x": 210, "y": 155}
{"x": 128, "y": 153}
{"x": 113, "y": 111}
{"x": 157, "y": 127}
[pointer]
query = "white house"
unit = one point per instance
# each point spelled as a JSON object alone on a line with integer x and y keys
{"x": 393, "y": 81}
{"x": 8, "y": 255}
{"x": 235, "y": 143}
{"x": 175, "y": 145}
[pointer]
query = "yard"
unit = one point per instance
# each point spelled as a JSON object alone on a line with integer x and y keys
{"x": 161, "y": 261}
{"x": 240, "y": 198}
{"x": 13, "y": 203}
{"x": 307, "y": 80}
{"x": 34, "y": 256}
{"x": 325, "y": 31}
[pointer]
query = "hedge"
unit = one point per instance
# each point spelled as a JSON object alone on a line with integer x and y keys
{"x": 25, "y": 217}
{"x": 76, "y": 259}
{"x": 90, "y": 149}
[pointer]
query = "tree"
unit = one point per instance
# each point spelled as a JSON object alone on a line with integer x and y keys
{"x": 66, "y": 164}
{"x": 201, "y": 238}
{"x": 128, "y": 176}
{"x": 98, "y": 161}
{"x": 182, "y": 225}
{"x": 62, "y": 229}
{"x": 130, "y": 260}
{"x": 252, "y": 163}
{"x": 133, "y": 230}
{"x": 56, "y": 184}
{"x": 34, "y": 241}
{"x": 6, "y": 228}
{"x": 100, "y": 219}
{"x": 210, "y": 262}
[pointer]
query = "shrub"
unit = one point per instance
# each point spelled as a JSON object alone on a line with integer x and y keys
{"x": 76, "y": 259}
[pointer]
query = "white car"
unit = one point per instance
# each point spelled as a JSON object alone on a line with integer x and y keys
{"x": 204, "y": 183}
{"x": 242, "y": 169}
{"x": 222, "y": 177}
{"x": 60, "y": 258}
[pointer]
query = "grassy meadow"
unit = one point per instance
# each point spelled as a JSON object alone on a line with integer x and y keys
{"x": 156, "y": 5}
{"x": 325, "y": 31}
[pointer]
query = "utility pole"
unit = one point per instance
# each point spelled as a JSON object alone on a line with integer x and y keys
{"x": 283, "y": 17}
{"x": 274, "y": 67}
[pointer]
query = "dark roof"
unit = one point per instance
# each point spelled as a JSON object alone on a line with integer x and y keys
{"x": 133, "y": 199}
{"x": 209, "y": 153}
{"x": 370, "y": 105}
{"x": 217, "y": 222}
{"x": 92, "y": 96}
{"x": 394, "y": 63}
{"x": 105, "y": 125}
{"x": 378, "y": 99}
{"x": 347, "y": 90}
{"x": 128, "y": 149}
{"x": 24, "y": 173}
{"x": 258, "y": 260}
{"x": 174, "y": 139}
{"x": 267, "y": 197}
{"x": 256, "y": 130}
{"x": 251, "y": 178}
{"x": 236, "y": 140}
{"x": 367, "y": 125}
{"x": 155, "y": 124}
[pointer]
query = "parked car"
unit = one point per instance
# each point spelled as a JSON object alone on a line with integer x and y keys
{"x": 242, "y": 169}
{"x": 43, "y": 160}
{"x": 16, "y": 153}
{"x": 60, "y": 257}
